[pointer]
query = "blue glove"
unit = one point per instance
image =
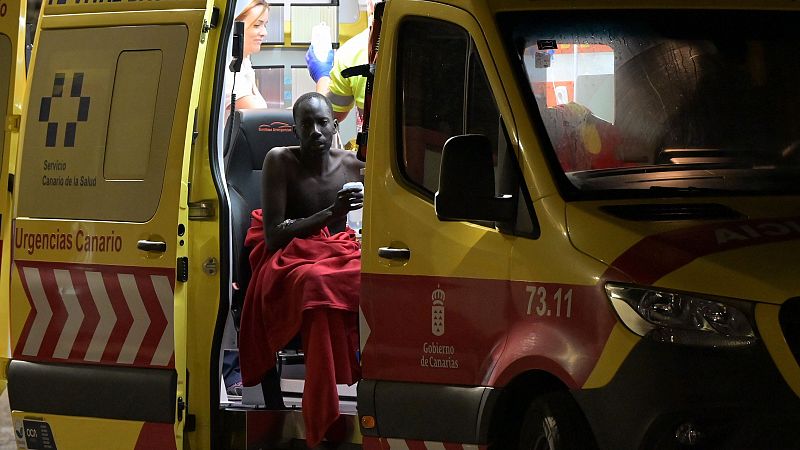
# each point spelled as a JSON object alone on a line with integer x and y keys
{"x": 316, "y": 68}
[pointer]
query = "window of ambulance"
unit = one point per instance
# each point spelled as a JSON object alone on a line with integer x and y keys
{"x": 664, "y": 103}
{"x": 445, "y": 93}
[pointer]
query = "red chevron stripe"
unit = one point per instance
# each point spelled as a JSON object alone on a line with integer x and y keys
{"x": 158, "y": 321}
{"x": 153, "y": 436}
{"x": 124, "y": 318}
{"x": 26, "y": 329}
{"x": 91, "y": 316}
{"x": 59, "y": 313}
{"x": 91, "y": 313}
{"x": 451, "y": 446}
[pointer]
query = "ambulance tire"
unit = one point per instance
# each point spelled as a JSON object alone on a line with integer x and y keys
{"x": 554, "y": 422}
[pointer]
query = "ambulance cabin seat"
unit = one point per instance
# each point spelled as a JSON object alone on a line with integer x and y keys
{"x": 255, "y": 132}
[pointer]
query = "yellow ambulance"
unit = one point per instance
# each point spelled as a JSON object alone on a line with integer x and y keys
{"x": 12, "y": 88}
{"x": 581, "y": 229}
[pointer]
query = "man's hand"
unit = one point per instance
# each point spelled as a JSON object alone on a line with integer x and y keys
{"x": 316, "y": 68}
{"x": 347, "y": 200}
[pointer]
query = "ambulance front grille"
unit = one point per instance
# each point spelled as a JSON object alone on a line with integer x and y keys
{"x": 789, "y": 319}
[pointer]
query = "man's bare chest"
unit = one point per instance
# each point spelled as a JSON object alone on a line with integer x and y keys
{"x": 308, "y": 194}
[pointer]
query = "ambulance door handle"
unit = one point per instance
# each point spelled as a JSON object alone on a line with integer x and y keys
{"x": 152, "y": 246}
{"x": 400, "y": 254}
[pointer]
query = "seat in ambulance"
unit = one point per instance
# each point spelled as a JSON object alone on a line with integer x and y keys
{"x": 255, "y": 132}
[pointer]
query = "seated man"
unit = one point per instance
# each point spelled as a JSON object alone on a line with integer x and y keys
{"x": 306, "y": 265}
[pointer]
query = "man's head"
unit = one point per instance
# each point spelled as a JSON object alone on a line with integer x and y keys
{"x": 314, "y": 122}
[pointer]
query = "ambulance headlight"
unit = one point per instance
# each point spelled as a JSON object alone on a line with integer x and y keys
{"x": 681, "y": 318}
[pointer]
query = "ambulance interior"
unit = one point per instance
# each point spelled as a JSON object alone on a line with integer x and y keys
{"x": 666, "y": 103}
{"x": 245, "y": 138}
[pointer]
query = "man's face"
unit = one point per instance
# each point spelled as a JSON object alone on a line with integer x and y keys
{"x": 315, "y": 126}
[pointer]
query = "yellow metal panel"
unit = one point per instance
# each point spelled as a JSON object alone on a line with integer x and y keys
{"x": 618, "y": 346}
{"x": 171, "y": 209}
{"x": 68, "y": 129}
{"x": 770, "y": 330}
{"x": 77, "y": 241}
{"x": 60, "y": 7}
{"x": 763, "y": 273}
{"x": 455, "y": 249}
{"x": 78, "y": 433}
{"x": 12, "y": 86}
{"x": 203, "y": 246}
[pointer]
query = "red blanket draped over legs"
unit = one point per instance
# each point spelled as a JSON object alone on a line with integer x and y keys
{"x": 310, "y": 286}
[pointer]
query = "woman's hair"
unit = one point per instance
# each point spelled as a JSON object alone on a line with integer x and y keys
{"x": 252, "y": 5}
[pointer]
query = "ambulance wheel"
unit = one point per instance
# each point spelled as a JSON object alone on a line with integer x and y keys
{"x": 554, "y": 422}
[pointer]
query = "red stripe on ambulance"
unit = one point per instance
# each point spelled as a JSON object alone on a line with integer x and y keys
{"x": 90, "y": 320}
{"x": 655, "y": 256}
{"x": 371, "y": 443}
{"x": 97, "y": 314}
{"x": 153, "y": 436}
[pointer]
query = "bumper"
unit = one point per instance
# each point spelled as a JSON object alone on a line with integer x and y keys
{"x": 734, "y": 399}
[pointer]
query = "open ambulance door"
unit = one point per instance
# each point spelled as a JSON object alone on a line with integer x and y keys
{"x": 12, "y": 85}
{"x": 99, "y": 273}
{"x": 436, "y": 291}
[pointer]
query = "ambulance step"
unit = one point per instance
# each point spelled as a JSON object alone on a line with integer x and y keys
{"x": 250, "y": 429}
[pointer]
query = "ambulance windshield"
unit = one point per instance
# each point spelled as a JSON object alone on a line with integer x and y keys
{"x": 699, "y": 101}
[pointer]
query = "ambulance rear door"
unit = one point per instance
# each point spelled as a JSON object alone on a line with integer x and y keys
{"x": 98, "y": 281}
{"x": 12, "y": 85}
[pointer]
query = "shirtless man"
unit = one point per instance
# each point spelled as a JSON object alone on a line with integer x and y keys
{"x": 306, "y": 279}
{"x": 301, "y": 192}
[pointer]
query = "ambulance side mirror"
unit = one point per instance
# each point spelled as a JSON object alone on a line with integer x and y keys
{"x": 466, "y": 183}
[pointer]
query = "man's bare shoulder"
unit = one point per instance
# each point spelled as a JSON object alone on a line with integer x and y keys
{"x": 348, "y": 157}
{"x": 282, "y": 156}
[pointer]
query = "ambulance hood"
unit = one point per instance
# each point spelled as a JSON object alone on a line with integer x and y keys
{"x": 746, "y": 248}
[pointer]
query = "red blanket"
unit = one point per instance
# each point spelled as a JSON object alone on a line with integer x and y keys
{"x": 310, "y": 286}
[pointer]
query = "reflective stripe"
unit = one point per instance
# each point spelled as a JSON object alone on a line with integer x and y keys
{"x": 399, "y": 444}
{"x": 141, "y": 321}
{"x": 340, "y": 100}
{"x": 108, "y": 318}
{"x": 79, "y": 313}
{"x": 75, "y": 314}
{"x": 163, "y": 289}
{"x": 42, "y": 312}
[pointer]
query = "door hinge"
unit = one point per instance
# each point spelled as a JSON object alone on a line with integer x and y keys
{"x": 11, "y": 183}
{"x": 183, "y": 269}
{"x": 202, "y": 210}
{"x": 206, "y": 29}
{"x": 12, "y": 122}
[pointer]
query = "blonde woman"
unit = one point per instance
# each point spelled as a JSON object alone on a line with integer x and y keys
{"x": 255, "y": 15}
